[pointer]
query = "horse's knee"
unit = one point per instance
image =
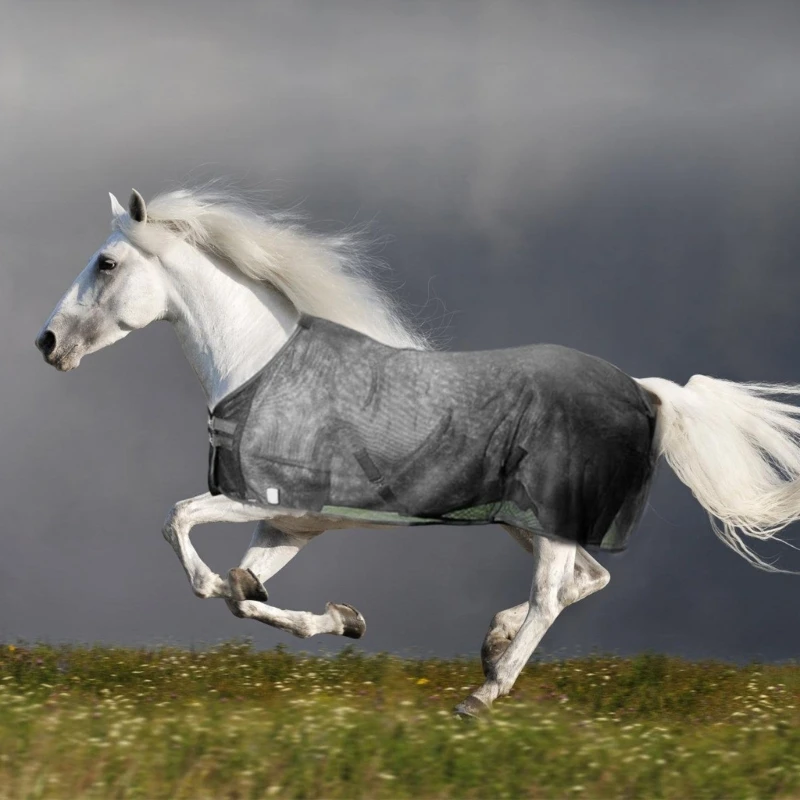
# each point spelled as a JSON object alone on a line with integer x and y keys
{"x": 170, "y": 534}
{"x": 173, "y": 523}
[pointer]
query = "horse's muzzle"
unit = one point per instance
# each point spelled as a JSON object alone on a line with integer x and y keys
{"x": 55, "y": 355}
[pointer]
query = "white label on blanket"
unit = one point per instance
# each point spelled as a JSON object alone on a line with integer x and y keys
{"x": 272, "y": 496}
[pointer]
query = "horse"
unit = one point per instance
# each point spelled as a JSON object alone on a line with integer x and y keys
{"x": 269, "y": 313}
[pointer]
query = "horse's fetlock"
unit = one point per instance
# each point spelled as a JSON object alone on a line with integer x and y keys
{"x": 203, "y": 592}
{"x": 235, "y": 607}
{"x": 205, "y": 588}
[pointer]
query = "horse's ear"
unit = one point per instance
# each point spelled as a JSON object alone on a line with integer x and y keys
{"x": 116, "y": 207}
{"x": 136, "y": 207}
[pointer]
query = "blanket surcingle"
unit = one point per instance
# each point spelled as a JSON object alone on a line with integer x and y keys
{"x": 542, "y": 437}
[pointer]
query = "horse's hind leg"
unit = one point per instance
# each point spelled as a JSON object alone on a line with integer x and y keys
{"x": 502, "y": 630}
{"x": 270, "y": 550}
{"x": 588, "y": 577}
{"x": 554, "y": 564}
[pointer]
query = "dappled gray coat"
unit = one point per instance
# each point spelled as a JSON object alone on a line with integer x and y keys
{"x": 541, "y": 437}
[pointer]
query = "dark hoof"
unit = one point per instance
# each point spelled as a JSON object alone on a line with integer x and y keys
{"x": 490, "y": 654}
{"x": 471, "y": 708}
{"x": 245, "y": 585}
{"x": 354, "y": 624}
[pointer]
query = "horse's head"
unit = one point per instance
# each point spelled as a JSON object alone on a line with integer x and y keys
{"x": 121, "y": 289}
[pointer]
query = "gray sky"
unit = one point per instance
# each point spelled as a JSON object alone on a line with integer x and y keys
{"x": 619, "y": 177}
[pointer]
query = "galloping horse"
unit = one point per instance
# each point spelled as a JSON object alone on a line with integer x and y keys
{"x": 328, "y": 411}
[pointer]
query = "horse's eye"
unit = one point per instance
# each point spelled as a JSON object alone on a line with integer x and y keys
{"x": 106, "y": 263}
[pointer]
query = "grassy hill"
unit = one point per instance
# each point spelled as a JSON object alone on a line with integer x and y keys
{"x": 236, "y": 723}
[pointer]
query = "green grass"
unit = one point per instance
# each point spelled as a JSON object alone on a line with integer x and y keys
{"x": 237, "y": 723}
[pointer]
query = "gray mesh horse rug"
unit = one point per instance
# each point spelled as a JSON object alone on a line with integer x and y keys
{"x": 543, "y": 437}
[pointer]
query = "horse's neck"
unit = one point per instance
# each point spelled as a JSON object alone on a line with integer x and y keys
{"x": 229, "y": 326}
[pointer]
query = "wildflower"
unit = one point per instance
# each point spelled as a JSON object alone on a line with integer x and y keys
{"x": 422, "y": 681}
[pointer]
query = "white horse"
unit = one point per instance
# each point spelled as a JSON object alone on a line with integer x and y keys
{"x": 234, "y": 285}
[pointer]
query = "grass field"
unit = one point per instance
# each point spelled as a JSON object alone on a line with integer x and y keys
{"x": 237, "y": 723}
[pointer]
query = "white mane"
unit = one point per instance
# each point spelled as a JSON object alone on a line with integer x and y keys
{"x": 325, "y": 276}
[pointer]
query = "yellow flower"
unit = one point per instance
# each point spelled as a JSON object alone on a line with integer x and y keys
{"x": 422, "y": 681}
{"x": 11, "y": 648}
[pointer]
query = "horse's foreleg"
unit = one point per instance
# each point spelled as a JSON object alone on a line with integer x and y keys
{"x": 270, "y": 550}
{"x": 554, "y": 564}
{"x": 199, "y": 510}
{"x": 338, "y": 619}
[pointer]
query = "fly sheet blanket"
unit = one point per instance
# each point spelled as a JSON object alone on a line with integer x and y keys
{"x": 543, "y": 437}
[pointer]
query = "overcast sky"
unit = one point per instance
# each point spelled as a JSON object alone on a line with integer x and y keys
{"x": 619, "y": 177}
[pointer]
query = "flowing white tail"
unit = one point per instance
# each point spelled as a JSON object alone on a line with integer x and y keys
{"x": 737, "y": 447}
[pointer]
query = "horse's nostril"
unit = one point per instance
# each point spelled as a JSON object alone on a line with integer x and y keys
{"x": 46, "y": 343}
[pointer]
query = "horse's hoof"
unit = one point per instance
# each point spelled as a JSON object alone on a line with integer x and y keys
{"x": 354, "y": 623}
{"x": 471, "y": 708}
{"x": 244, "y": 585}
